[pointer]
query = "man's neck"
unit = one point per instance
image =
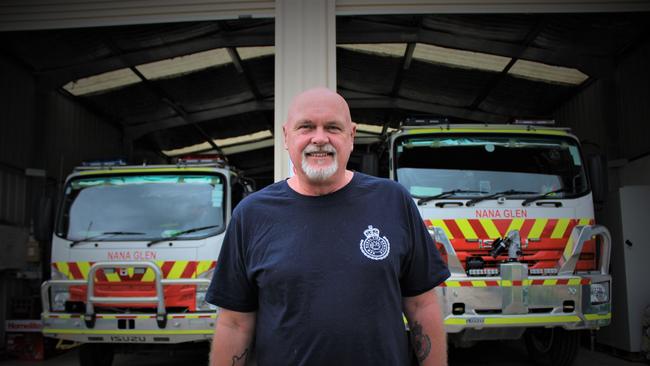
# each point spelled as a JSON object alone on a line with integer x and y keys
{"x": 308, "y": 188}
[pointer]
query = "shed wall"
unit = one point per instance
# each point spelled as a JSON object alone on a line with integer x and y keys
{"x": 614, "y": 113}
{"x": 17, "y": 104}
{"x": 75, "y": 134}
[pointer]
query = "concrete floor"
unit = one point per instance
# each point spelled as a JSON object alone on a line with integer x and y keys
{"x": 486, "y": 353}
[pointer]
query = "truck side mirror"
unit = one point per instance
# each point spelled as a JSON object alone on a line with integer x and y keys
{"x": 44, "y": 218}
{"x": 597, "y": 170}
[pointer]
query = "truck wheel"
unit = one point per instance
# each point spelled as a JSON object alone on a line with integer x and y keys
{"x": 552, "y": 346}
{"x": 95, "y": 354}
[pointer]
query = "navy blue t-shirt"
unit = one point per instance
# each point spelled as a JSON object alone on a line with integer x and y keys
{"x": 326, "y": 274}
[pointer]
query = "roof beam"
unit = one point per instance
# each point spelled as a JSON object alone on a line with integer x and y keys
{"x": 534, "y": 31}
{"x": 423, "y": 107}
{"x": 137, "y": 131}
{"x": 358, "y": 30}
{"x": 258, "y": 36}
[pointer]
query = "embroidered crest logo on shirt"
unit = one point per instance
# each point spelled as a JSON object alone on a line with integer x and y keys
{"x": 373, "y": 246}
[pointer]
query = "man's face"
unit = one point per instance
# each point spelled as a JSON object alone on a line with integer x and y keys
{"x": 319, "y": 137}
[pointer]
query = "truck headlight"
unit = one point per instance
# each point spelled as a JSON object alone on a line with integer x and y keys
{"x": 201, "y": 290}
{"x": 201, "y": 304}
{"x": 599, "y": 293}
{"x": 59, "y": 299}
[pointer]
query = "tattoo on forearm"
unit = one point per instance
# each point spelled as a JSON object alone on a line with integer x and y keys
{"x": 421, "y": 342}
{"x": 243, "y": 356}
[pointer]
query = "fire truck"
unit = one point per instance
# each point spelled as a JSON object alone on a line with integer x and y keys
{"x": 511, "y": 210}
{"x": 133, "y": 252}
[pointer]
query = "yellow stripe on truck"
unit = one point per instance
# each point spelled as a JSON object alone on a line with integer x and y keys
{"x": 490, "y": 229}
{"x": 514, "y": 320}
{"x": 466, "y": 229}
{"x": 441, "y": 224}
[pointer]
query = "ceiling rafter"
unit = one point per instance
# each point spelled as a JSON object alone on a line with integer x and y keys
{"x": 361, "y": 100}
{"x": 162, "y": 95}
{"x": 258, "y": 36}
{"x": 134, "y": 132}
{"x": 354, "y": 31}
{"x": 535, "y": 30}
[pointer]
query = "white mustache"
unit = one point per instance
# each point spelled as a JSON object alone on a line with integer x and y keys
{"x": 310, "y": 149}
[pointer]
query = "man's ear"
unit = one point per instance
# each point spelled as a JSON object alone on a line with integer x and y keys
{"x": 284, "y": 132}
{"x": 353, "y": 133}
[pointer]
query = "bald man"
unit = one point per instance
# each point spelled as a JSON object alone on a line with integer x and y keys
{"x": 318, "y": 269}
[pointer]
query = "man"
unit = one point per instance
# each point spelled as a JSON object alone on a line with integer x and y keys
{"x": 318, "y": 269}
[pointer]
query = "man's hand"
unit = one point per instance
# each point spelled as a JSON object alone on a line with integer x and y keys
{"x": 231, "y": 344}
{"x": 427, "y": 330}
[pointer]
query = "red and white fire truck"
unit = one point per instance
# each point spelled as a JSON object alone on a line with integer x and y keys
{"x": 133, "y": 252}
{"x": 511, "y": 210}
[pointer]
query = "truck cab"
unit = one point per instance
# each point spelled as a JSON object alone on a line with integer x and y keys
{"x": 511, "y": 211}
{"x": 133, "y": 252}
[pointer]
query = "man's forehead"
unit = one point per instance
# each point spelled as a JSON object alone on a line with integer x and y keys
{"x": 329, "y": 106}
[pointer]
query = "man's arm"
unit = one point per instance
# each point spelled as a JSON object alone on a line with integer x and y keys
{"x": 427, "y": 329}
{"x": 233, "y": 334}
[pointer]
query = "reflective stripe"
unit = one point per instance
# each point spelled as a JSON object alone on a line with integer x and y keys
{"x": 126, "y": 331}
{"x": 538, "y": 227}
{"x": 514, "y": 320}
{"x": 534, "y": 319}
{"x": 516, "y": 224}
{"x": 466, "y": 229}
{"x": 490, "y": 228}
{"x": 146, "y": 170}
{"x": 483, "y": 228}
{"x": 126, "y": 316}
{"x": 508, "y": 283}
{"x": 170, "y": 269}
{"x": 177, "y": 269}
{"x": 560, "y": 228}
{"x": 472, "y": 130}
{"x": 598, "y": 316}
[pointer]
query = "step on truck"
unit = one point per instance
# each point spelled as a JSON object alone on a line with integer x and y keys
{"x": 511, "y": 210}
{"x": 133, "y": 252}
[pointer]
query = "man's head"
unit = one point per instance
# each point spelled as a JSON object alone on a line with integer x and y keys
{"x": 319, "y": 136}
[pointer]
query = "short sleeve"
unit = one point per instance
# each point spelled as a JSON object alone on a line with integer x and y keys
{"x": 231, "y": 287}
{"x": 423, "y": 268}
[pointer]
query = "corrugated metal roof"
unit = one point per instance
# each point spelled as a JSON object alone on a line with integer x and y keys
{"x": 547, "y": 73}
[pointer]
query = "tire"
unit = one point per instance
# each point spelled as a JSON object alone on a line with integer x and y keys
{"x": 552, "y": 346}
{"x": 96, "y": 354}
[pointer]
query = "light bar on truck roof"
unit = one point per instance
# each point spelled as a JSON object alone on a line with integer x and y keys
{"x": 202, "y": 159}
{"x": 103, "y": 163}
{"x": 534, "y": 122}
{"x": 425, "y": 121}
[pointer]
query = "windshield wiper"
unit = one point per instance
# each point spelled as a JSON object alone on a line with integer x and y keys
{"x": 530, "y": 200}
{"x": 509, "y": 192}
{"x": 109, "y": 233}
{"x": 175, "y": 235}
{"x": 445, "y": 194}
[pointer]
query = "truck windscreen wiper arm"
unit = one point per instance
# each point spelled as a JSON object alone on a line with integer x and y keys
{"x": 106, "y": 233}
{"x": 192, "y": 230}
{"x": 445, "y": 194}
{"x": 527, "y": 201}
{"x": 509, "y": 192}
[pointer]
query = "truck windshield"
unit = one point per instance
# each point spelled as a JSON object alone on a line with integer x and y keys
{"x": 480, "y": 165}
{"x": 142, "y": 207}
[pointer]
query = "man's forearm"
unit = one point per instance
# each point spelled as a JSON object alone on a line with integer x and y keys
{"x": 233, "y": 335}
{"x": 427, "y": 330}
